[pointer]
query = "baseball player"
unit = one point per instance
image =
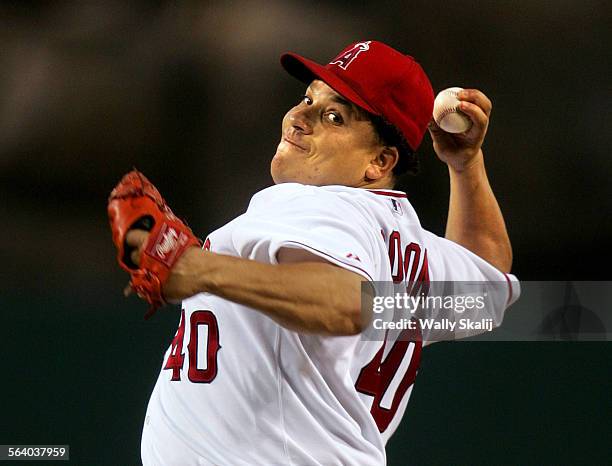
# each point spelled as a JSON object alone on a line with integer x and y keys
{"x": 268, "y": 365}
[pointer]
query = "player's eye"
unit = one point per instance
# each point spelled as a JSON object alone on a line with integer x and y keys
{"x": 307, "y": 100}
{"x": 334, "y": 117}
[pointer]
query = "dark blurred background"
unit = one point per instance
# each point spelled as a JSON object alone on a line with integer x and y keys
{"x": 192, "y": 94}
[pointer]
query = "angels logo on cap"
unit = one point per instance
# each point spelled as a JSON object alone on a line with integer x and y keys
{"x": 345, "y": 59}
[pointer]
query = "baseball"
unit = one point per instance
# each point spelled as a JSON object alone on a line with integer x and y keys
{"x": 446, "y": 112}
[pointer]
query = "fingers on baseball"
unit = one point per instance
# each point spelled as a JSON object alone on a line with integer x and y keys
{"x": 475, "y": 113}
{"x": 478, "y": 98}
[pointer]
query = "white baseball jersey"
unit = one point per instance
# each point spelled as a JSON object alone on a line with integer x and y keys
{"x": 236, "y": 388}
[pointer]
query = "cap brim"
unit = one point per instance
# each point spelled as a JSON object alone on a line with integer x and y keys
{"x": 306, "y": 70}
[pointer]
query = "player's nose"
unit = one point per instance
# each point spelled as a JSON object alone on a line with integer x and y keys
{"x": 301, "y": 120}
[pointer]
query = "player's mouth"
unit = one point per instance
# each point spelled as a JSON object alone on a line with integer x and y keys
{"x": 293, "y": 143}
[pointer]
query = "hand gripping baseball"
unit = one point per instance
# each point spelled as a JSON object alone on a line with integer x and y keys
{"x": 136, "y": 204}
{"x": 460, "y": 150}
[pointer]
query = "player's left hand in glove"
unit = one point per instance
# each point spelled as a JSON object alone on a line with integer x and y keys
{"x": 136, "y": 204}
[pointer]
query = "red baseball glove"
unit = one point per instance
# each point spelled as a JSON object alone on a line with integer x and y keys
{"x": 136, "y": 203}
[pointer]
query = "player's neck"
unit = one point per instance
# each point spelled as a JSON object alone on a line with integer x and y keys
{"x": 383, "y": 183}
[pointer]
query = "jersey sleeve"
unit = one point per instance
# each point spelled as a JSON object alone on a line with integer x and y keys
{"x": 462, "y": 265}
{"x": 317, "y": 222}
{"x": 461, "y": 274}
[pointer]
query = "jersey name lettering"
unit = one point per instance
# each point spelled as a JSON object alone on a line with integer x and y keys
{"x": 406, "y": 263}
{"x": 388, "y": 379}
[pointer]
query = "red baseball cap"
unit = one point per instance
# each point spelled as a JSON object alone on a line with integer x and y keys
{"x": 378, "y": 79}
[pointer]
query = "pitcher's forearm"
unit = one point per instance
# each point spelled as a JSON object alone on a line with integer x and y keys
{"x": 307, "y": 296}
{"x": 475, "y": 220}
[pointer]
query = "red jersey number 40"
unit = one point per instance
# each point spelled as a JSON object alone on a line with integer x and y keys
{"x": 388, "y": 380}
{"x": 202, "y": 326}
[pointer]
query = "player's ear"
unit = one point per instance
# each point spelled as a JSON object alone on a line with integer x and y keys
{"x": 382, "y": 165}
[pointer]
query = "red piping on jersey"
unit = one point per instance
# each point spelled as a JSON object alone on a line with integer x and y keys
{"x": 331, "y": 257}
{"x": 509, "y": 288}
{"x": 385, "y": 193}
